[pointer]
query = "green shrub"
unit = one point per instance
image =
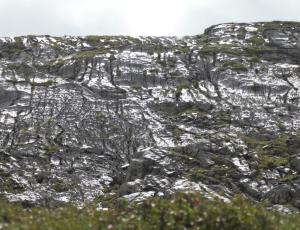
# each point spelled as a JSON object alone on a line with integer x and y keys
{"x": 257, "y": 50}
{"x": 12, "y": 49}
{"x": 233, "y": 65}
{"x": 22, "y": 69}
{"x": 271, "y": 162}
{"x": 7, "y": 184}
{"x": 52, "y": 149}
{"x": 60, "y": 186}
{"x": 255, "y": 59}
{"x": 256, "y": 41}
{"x": 208, "y": 49}
{"x": 177, "y": 132}
{"x": 136, "y": 87}
{"x": 93, "y": 40}
{"x": 82, "y": 55}
{"x": 180, "y": 87}
{"x": 18, "y": 44}
{"x": 182, "y": 211}
{"x": 274, "y": 152}
{"x": 45, "y": 84}
{"x": 279, "y": 25}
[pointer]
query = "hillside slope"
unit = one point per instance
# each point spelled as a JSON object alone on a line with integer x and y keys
{"x": 89, "y": 117}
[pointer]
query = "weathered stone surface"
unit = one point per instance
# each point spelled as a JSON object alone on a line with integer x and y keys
{"x": 295, "y": 164}
{"x": 281, "y": 194}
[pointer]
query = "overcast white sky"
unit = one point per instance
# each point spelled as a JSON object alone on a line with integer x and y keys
{"x": 135, "y": 17}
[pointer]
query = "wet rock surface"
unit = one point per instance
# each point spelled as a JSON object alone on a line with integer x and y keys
{"x": 86, "y": 117}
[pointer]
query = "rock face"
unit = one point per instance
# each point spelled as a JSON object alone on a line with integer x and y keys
{"x": 83, "y": 117}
